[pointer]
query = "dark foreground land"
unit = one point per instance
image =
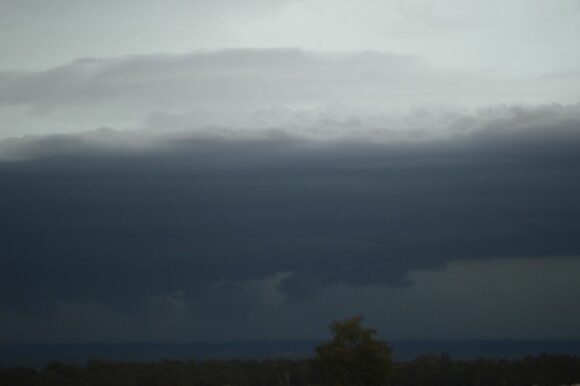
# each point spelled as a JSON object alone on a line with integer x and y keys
{"x": 543, "y": 370}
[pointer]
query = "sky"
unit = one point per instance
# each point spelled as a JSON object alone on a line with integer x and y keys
{"x": 222, "y": 170}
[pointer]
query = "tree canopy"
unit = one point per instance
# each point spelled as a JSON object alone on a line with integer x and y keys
{"x": 354, "y": 357}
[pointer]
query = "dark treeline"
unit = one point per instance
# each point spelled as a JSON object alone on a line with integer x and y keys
{"x": 543, "y": 370}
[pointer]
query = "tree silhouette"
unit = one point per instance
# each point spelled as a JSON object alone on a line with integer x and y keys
{"x": 353, "y": 357}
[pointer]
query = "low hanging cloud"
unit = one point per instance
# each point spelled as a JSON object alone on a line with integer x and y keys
{"x": 130, "y": 217}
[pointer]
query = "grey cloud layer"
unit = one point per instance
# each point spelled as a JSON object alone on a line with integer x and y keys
{"x": 248, "y": 87}
{"x": 86, "y": 221}
{"x": 253, "y": 74}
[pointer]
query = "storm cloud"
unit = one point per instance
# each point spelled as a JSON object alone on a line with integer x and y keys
{"x": 190, "y": 215}
{"x": 219, "y": 170}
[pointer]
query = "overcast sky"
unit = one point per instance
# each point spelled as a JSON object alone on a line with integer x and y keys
{"x": 227, "y": 170}
{"x": 518, "y": 37}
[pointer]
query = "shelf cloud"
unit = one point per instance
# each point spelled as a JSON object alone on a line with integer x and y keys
{"x": 93, "y": 216}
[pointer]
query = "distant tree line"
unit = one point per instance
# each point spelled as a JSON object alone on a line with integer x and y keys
{"x": 543, "y": 370}
{"x": 353, "y": 357}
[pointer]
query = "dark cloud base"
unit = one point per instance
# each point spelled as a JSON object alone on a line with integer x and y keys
{"x": 81, "y": 223}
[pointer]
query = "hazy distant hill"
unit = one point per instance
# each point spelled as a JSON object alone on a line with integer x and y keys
{"x": 41, "y": 354}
